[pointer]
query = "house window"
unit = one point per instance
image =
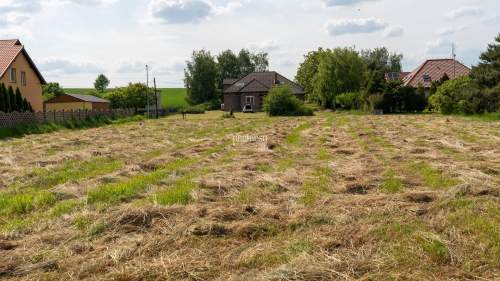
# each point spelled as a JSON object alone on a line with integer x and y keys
{"x": 427, "y": 78}
{"x": 23, "y": 78}
{"x": 249, "y": 100}
{"x": 13, "y": 75}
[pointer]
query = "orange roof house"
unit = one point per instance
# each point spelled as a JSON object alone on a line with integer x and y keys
{"x": 18, "y": 70}
{"x": 433, "y": 70}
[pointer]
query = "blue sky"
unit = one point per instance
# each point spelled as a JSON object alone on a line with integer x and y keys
{"x": 72, "y": 41}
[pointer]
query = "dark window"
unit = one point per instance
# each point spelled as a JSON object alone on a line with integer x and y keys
{"x": 23, "y": 78}
{"x": 13, "y": 75}
{"x": 427, "y": 78}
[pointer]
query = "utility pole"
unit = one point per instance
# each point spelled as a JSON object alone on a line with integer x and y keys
{"x": 454, "y": 60}
{"x": 156, "y": 98}
{"x": 147, "y": 89}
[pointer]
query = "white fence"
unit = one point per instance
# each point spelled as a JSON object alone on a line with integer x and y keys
{"x": 23, "y": 118}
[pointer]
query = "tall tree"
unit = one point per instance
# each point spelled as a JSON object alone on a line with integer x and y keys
{"x": 487, "y": 73}
{"x": 246, "y": 64}
{"x": 51, "y": 90}
{"x": 339, "y": 71}
{"x": 378, "y": 62}
{"x": 201, "y": 75}
{"x": 19, "y": 100}
{"x": 260, "y": 62}
{"x": 101, "y": 83}
{"x": 307, "y": 71}
{"x": 3, "y": 106}
{"x": 12, "y": 99}
{"x": 229, "y": 67}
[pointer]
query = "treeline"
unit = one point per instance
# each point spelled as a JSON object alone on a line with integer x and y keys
{"x": 205, "y": 73}
{"x": 344, "y": 78}
{"x": 11, "y": 100}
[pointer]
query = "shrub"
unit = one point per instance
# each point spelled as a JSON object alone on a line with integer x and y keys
{"x": 463, "y": 96}
{"x": 351, "y": 100}
{"x": 197, "y": 109}
{"x": 281, "y": 102}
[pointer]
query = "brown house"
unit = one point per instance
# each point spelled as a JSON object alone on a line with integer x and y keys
{"x": 68, "y": 102}
{"x": 18, "y": 70}
{"x": 247, "y": 93}
{"x": 433, "y": 70}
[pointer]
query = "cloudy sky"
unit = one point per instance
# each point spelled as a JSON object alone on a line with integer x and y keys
{"x": 73, "y": 40}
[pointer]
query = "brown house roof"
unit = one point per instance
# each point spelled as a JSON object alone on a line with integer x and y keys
{"x": 77, "y": 98}
{"x": 9, "y": 50}
{"x": 262, "y": 82}
{"x": 433, "y": 70}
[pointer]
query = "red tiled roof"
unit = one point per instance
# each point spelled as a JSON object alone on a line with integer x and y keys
{"x": 262, "y": 82}
{"x": 435, "y": 69}
{"x": 9, "y": 50}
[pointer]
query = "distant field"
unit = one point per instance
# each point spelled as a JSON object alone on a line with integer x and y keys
{"x": 171, "y": 97}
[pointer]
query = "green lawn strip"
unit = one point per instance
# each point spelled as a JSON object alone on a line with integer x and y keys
{"x": 73, "y": 170}
{"x": 432, "y": 177}
{"x": 294, "y": 138}
{"x": 319, "y": 183}
{"x": 130, "y": 188}
{"x": 391, "y": 183}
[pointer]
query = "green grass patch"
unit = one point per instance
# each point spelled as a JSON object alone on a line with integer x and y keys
{"x": 391, "y": 183}
{"x": 72, "y": 171}
{"x": 294, "y": 137}
{"x": 122, "y": 191}
{"x": 26, "y": 202}
{"x": 319, "y": 184}
{"x": 432, "y": 177}
{"x": 178, "y": 193}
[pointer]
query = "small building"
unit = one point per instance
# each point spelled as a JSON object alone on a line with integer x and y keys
{"x": 430, "y": 71}
{"x": 247, "y": 93}
{"x": 18, "y": 70}
{"x": 68, "y": 102}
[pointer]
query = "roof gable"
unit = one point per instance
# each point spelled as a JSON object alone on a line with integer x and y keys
{"x": 267, "y": 80}
{"x": 434, "y": 70}
{"x": 9, "y": 51}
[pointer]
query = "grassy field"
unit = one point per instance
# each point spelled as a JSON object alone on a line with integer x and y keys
{"x": 171, "y": 97}
{"x": 331, "y": 197}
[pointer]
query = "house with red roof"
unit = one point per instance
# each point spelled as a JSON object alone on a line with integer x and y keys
{"x": 430, "y": 71}
{"x": 18, "y": 70}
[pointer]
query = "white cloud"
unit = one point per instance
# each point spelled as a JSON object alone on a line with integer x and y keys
{"x": 64, "y": 66}
{"x": 333, "y": 3}
{"x": 266, "y": 46}
{"x": 439, "y": 46}
{"x": 447, "y": 31}
{"x": 180, "y": 11}
{"x": 394, "y": 31}
{"x": 354, "y": 26}
{"x": 464, "y": 12}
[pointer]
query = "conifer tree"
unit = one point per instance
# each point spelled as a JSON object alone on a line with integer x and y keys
{"x": 2, "y": 98}
{"x": 19, "y": 101}
{"x": 8, "y": 107}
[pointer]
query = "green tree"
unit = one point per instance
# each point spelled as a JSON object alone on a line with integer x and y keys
{"x": 307, "y": 71}
{"x": 228, "y": 67}
{"x": 246, "y": 63}
{"x": 340, "y": 71}
{"x": 51, "y": 90}
{"x": 280, "y": 101}
{"x": 101, "y": 83}
{"x": 378, "y": 62}
{"x": 12, "y": 99}
{"x": 260, "y": 62}
{"x": 133, "y": 96}
{"x": 19, "y": 100}
{"x": 3, "y": 98}
{"x": 201, "y": 75}
{"x": 487, "y": 73}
